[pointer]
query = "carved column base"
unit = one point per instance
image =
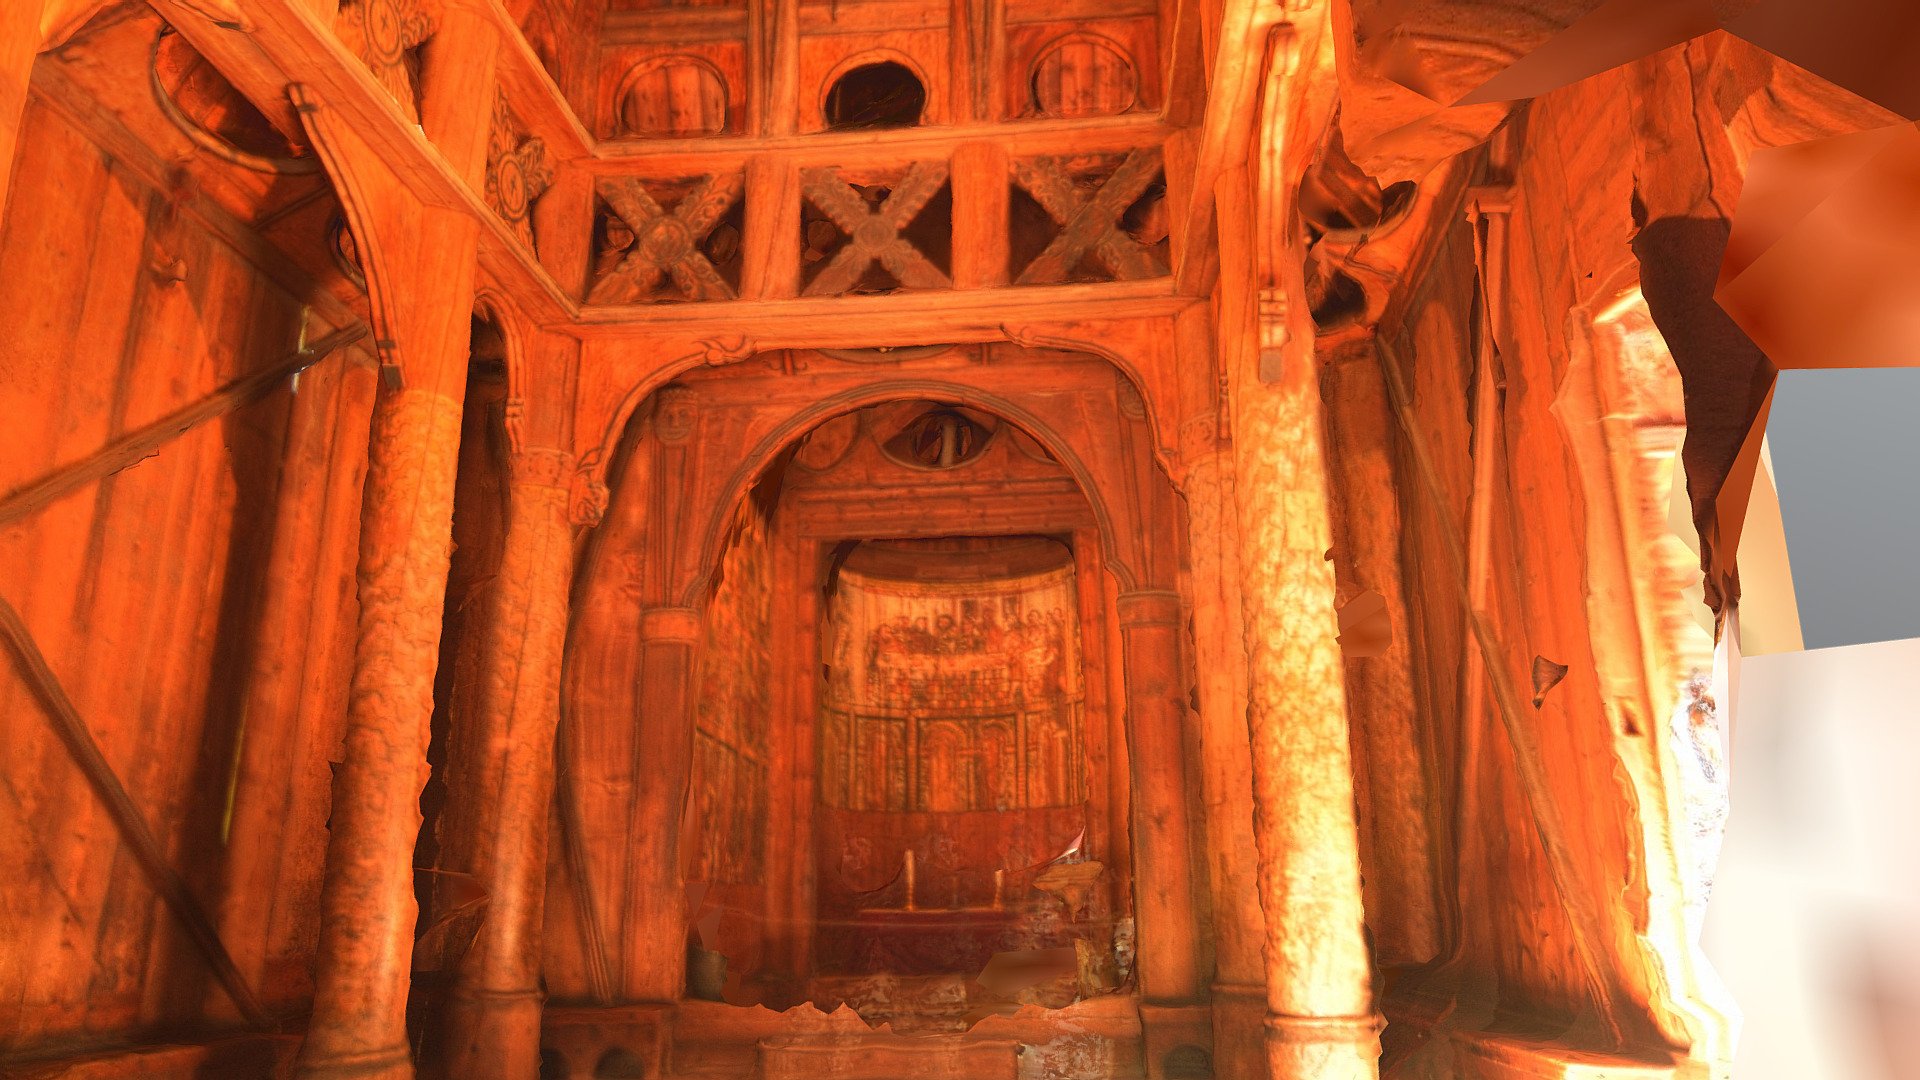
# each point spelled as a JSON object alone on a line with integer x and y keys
{"x": 493, "y": 1034}
{"x": 1323, "y": 1047}
{"x": 1239, "y": 1029}
{"x": 392, "y": 1063}
{"x": 1175, "y": 1032}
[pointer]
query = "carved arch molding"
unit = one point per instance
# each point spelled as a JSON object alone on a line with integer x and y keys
{"x": 715, "y": 437}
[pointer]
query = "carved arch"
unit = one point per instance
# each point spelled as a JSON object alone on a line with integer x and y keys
{"x": 494, "y": 307}
{"x": 599, "y": 457}
{"x": 804, "y": 421}
{"x": 1166, "y": 448}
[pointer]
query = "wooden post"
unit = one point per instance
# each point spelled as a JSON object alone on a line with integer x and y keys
{"x": 563, "y": 229}
{"x": 961, "y": 76}
{"x": 1320, "y": 1019}
{"x": 1226, "y": 756}
{"x": 771, "y": 248}
{"x": 980, "y": 194}
{"x": 783, "y": 95}
{"x": 1320, "y": 1024}
{"x": 656, "y": 930}
{"x": 362, "y": 975}
{"x": 289, "y": 733}
{"x": 1094, "y": 726}
{"x": 420, "y": 262}
{"x": 792, "y": 776}
{"x": 1169, "y": 948}
{"x": 493, "y": 1025}
{"x": 457, "y": 86}
{"x": 1393, "y": 770}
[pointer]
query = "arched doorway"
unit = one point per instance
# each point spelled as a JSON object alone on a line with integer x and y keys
{"x": 767, "y": 535}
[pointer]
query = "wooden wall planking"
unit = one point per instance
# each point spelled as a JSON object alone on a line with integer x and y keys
{"x": 142, "y": 590}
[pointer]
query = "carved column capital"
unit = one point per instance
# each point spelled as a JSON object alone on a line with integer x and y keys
{"x": 671, "y": 625}
{"x": 1148, "y": 607}
{"x": 587, "y": 499}
{"x": 542, "y": 467}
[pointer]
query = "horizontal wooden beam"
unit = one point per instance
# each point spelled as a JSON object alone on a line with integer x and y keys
{"x": 664, "y": 157}
{"x": 890, "y": 319}
{"x": 1016, "y": 507}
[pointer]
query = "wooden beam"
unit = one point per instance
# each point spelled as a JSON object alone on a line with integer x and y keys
{"x": 1226, "y": 134}
{"x": 132, "y": 824}
{"x": 141, "y": 443}
{"x": 695, "y": 157}
{"x": 902, "y": 318}
{"x": 537, "y": 100}
{"x": 288, "y": 44}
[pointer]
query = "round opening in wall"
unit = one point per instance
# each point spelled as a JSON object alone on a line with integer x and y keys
{"x": 882, "y": 95}
{"x": 941, "y": 438}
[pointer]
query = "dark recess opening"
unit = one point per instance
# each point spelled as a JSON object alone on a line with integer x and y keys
{"x": 883, "y": 95}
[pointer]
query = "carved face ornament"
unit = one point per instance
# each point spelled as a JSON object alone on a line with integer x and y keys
{"x": 674, "y": 421}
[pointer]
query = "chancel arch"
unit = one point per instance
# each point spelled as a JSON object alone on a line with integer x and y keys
{"x": 997, "y": 640}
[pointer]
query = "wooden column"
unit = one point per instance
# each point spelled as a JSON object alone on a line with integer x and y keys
{"x": 1169, "y": 947}
{"x": 1226, "y": 757}
{"x": 1320, "y": 1021}
{"x": 656, "y": 929}
{"x": 961, "y": 98}
{"x": 980, "y": 195}
{"x": 796, "y": 673}
{"x": 771, "y": 248}
{"x": 783, "y": 88}
{"x": 563, "y": 229}
{"x": 1108, "y": 831}
{"x": 420, "y": 262}
{"x": 1320, "y": 1024}
{"x": 1394, "y": 770}
{"x": 457, "y": 87}
{"x": 493, "y": 1022}
{"x": 361, "y": 978}
{"x": 292, "y": 719}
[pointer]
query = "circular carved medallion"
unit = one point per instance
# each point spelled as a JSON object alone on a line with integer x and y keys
{"x": 665, "y": 240}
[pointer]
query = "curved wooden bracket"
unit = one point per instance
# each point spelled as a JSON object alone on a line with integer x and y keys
{"x": 1166, "y": 452}
{"x": 590, "y": 490}
{"x": 358, "y": 183}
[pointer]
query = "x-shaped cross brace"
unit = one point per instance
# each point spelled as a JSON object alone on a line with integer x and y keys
{"x": 873, "y": 233}
{"x": 1088, "y": 223}
{"x": 665, "y": 243}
